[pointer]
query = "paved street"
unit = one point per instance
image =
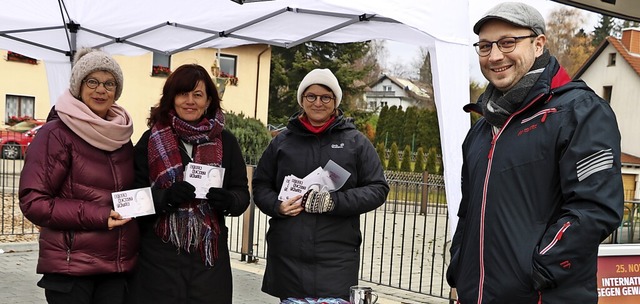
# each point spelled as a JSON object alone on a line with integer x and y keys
{"x": 18, "y": 280}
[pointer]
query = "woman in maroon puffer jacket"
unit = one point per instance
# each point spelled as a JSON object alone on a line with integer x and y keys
{"x": 79, "y": 157}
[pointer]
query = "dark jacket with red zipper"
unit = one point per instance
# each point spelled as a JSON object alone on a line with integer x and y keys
{"x": 538, "y": 197}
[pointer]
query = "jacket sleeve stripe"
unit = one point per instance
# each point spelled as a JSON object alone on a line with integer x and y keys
{"x": 596, "y": 162}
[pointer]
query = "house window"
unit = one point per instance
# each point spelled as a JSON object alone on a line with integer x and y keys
{"x": 386, "y": 88}
{"x": 383, "y": 104}
{"x": 228, "y": 65}
{"x": 161, "y": 65}
{"x": 19, "y": 106}
{"x": 228, "y": 68}
{"x": 606, "y": 93}
{"x": 612, "y": 59}
{"x": 372, "y": 105}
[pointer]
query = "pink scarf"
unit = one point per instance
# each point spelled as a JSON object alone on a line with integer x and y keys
{"x": 107, "y": 134}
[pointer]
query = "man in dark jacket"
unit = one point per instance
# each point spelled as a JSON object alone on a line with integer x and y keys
{"x": 541, "y": 182}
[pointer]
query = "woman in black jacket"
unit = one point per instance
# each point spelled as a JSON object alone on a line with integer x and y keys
{"x": 314, "y": 240}
{"x": 184, "y": 256}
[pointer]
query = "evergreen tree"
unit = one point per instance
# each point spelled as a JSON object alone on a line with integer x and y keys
{"x": 602, "y": 30}
{"x": 381, "y": 131}
{"x": 382, "y": 151}
{"x": 432, "y": 159}
{"x": 253, "y": 136}
{"x": 394, "y": 124}
{"x": 289, "y": 66}
{"x": 405, "y": 165}
{"x": 425, "y": 69}
{"x": 409, "y": 127}
{"x": 418, "y": 166}
{"x": 393, "y": 158}
{"x": 428, "y": 134}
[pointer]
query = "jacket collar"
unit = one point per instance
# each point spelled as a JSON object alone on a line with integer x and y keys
{"x": 553, "y": 80}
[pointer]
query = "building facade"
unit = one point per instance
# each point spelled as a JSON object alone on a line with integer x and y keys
{"x": 24, "y": 84}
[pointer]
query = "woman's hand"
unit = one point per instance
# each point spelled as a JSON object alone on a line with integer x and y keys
{"x": 116, "y": 220}
{"x": 292, "y": 206}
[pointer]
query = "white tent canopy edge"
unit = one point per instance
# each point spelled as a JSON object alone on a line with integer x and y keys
{"x": 36, "y": 29}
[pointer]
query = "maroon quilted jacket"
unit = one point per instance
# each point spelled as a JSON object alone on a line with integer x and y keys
{"x": 65, "y": 188}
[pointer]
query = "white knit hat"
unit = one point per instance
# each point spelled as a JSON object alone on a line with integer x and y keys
{"x": 324, "y": 77}
{"x": 87, "y": 61}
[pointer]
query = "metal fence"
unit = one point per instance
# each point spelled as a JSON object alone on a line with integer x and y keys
{"x": 404, "y": 241}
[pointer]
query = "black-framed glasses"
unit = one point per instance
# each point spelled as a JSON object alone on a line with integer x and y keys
{"x": 324, "y": 98}
{"x": 505, "y": 45}
{"x": 93, "y": 83}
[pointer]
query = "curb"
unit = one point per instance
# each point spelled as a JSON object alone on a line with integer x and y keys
{"x": 19, "y": 246}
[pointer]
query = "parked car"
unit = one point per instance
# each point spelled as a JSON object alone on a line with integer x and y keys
{"x": 15, "y": 139}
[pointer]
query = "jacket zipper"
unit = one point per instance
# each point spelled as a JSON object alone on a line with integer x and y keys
{"x": 69, "y": 240}
{"x": 556, "y": 238}
{"x": 494, "y": 141}
{"x": 542, "y": 112}
{"x": 118, "y": 187}
{"x": 119, "y": 255}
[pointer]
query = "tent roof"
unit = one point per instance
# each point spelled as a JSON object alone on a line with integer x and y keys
{"x": 167, "y": 26}
{"x": 38, "y": 29}
{"x": 624, "y": 9}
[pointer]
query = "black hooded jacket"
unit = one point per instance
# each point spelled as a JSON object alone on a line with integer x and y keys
{"x": 538, "y": 197}
{"x": 311, "y": 254}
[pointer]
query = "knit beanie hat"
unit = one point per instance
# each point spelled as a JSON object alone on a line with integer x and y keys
{"x": 88, "y": 61}
{"x": 324, "y": 77}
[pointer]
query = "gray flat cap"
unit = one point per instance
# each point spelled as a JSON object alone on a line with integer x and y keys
{"x": 517, "y": 13}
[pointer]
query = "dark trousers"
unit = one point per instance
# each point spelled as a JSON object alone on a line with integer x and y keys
{"x": 96, "y": 289}
{"x": 165, "y": 275}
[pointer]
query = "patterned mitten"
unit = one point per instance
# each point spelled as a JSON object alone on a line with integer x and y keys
{"x": 317, "y": 201}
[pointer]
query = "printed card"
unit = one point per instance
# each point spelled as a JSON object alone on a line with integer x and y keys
{"x": 336, "y": 176}
{"x": 330, "y": 178}
{"x": 291, "y": 187}
{"x": 203, "y": 177}
{"x": 133, "y": 203}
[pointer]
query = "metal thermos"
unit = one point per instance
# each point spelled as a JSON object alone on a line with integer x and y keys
{"x": 362, "y": 295}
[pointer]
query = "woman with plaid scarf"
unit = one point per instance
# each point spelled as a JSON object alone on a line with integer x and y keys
{"x": 184, "y": 256}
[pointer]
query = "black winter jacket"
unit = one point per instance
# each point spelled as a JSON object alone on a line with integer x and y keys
{"x": 317, "y": 255}
{"x": 538, "y": 197}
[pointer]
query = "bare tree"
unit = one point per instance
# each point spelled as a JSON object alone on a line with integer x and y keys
{"x": 565, "y": 38}
{"x": 376, "y": 57}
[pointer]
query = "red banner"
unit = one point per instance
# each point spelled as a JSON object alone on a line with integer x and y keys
{"x": 619, "y": 279}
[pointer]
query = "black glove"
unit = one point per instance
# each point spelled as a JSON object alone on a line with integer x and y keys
{"x": 542, "y": 278}
{"x": 220, "y": 199}
{"x": 317, "y": 201}
{"x": 179, "y": 192}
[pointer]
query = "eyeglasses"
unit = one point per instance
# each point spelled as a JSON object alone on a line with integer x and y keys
{"x": 94, "y": 83}
{"x": 312, "y": 98}
{"x": 505, "y": 45}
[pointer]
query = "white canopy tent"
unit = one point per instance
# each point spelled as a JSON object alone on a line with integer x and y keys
{"x": 53, "y": 30}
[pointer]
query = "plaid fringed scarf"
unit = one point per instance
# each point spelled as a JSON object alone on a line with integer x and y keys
{"x": 194, "y": 225}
